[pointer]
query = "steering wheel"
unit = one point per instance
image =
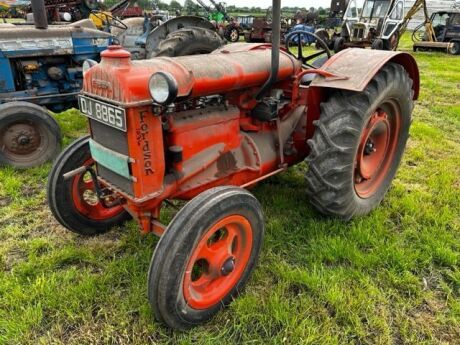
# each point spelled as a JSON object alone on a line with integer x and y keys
{"x": 110, "y": 20}
{"x": 307, "y": 58}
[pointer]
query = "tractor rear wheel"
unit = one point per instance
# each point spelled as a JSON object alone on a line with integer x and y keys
{"x": 359, "y": 140}
{"x": 74, "y": 202}
{"x": 205, "y": 257}
{"x": 189, "y": 41}
{"x": 29, "y": 135}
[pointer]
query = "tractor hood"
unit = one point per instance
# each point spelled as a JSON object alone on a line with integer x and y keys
{"x": 119, "y": 80}
{"x": 28, "y": 41}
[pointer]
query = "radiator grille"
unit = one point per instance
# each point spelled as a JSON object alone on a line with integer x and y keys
{"x": 115, "y": 140}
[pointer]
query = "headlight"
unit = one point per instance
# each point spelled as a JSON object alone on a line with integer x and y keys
{"x": 163, "y": 88}
{"x": 88, "y": 64}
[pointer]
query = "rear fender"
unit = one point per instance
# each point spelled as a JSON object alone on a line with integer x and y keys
{"x": 354, "y": 68}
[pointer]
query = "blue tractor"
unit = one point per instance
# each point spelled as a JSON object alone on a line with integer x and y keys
{"x": 41, "y": 69}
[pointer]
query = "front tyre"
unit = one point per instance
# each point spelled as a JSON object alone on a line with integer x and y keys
{"x": 205, "y": 256}
{"x": 454, "y": 48}
{"x": 232, "y": 34}
{"x": 339, "y": 44}
{"x": 377, "y": 44}
{"x": 74, "y": 202}
{"x": 359, "y": 140}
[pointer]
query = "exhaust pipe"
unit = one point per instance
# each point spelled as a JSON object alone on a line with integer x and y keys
{"x": 40, "y": 16}
{"x": 276, "y": 33}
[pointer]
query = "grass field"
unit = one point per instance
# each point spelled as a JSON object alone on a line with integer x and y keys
{"x": 390, "y": 277}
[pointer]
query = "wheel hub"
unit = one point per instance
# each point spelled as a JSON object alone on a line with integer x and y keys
{"x": 217, "y": 262}
{"x": 369, "y": 148}
{"x": 86, "y": 201}
{"x": 374, "y": 143}
{"x": 21, "y": 139}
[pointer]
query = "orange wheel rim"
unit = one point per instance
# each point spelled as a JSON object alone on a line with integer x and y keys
{"x": 85, "y": 199}
{"x": 217, "y": 262}
{"x": 376, "y": 150}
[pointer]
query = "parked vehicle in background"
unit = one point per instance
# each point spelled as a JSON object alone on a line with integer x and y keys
{"x": 42, "y": 69}
{"x": 441, "y": 31}
{"x": 375, "y": 24}
{"x": 245, "y": 22}
{"x": 261, "y": 30}
{"x": 226, "y": 26}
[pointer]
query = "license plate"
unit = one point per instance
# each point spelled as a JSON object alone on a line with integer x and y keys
{"x": 106, "y": 113}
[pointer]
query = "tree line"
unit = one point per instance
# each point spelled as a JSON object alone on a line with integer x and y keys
{"x": 191, "y": 7}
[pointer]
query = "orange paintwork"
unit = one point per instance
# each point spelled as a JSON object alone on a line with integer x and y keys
{"x": 218, "y": 143}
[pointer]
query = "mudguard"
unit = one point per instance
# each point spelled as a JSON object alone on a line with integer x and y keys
{"x": 354, "y": 68}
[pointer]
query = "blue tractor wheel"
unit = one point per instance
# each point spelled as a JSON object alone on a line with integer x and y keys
{"x": 29, "y": 136}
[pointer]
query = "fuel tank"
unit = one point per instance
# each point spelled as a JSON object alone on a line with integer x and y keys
{"x": 119, "y": 80}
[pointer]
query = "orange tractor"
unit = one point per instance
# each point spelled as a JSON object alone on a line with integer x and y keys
{"x": 203, "y": 128}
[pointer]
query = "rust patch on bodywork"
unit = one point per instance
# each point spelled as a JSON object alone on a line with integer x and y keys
{"x": 359, "y": 66}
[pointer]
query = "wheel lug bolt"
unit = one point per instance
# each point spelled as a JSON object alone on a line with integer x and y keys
{"x": 369, "y": 148}
{"x": 23, "y": 140}
{"x": 228, "y": 266}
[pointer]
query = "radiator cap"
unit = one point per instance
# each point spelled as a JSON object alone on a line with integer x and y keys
{"x": 116, "y": 52}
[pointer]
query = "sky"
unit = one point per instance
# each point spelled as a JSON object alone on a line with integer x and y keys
{"x": 267, "y": 3}
{"x": 290, "y": 3}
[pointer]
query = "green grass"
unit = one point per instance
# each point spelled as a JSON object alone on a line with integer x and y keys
{"x": 390, "y": 277}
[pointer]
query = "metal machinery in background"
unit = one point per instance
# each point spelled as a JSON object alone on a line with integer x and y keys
{"x": 42, "y": 68}
{"x": 203, "y": 128}
{"x": 225, "y": 25}
{"x": 440, "y": 31}
{"x": 376, "y": 25}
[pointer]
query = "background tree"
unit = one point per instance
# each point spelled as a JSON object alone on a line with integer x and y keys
{"x": 175, "y": 6}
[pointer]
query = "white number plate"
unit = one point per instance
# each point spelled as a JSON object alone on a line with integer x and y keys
{"x": 106, "y": 113}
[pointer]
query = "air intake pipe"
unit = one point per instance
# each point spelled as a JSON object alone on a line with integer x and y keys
{"x": 40, "y": 16}
{"x": 275, "y": 61}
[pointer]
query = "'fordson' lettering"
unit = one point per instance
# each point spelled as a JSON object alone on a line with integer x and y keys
{"x": 142, "y": 141}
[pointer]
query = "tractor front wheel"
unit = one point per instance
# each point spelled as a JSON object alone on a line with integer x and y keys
{"x": 339, "y": 44}
{"x": 377, "y": 44}
{"x": 74, "y": 201}
{"x": 205, "y": 257}
{"x": 359, "y": 140}
{"x": 29, "y": 135}
{"x": 232, "y": 34}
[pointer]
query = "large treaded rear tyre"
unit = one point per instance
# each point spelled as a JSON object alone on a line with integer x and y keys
{"x": 189, "y": 41}
{"x": 205, "y": 256}
{"x": 358, "y": 144}
{"x": 73, "y": 201}
{"x": 29, "y": 135}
